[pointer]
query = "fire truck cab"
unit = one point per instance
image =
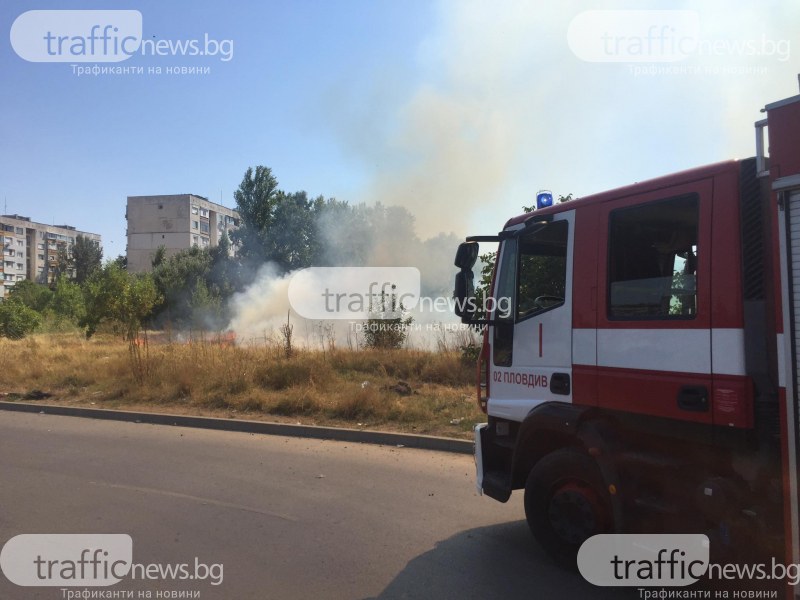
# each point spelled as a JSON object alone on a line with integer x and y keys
{"x": 638, "y": 366}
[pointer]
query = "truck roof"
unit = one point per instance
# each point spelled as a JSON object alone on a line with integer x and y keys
{"x": 633, "y": 189}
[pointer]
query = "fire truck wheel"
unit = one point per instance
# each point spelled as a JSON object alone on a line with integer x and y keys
{"x": 566, "y": 503}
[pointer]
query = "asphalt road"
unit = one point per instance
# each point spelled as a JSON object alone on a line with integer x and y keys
{"x": 286, "y": 518}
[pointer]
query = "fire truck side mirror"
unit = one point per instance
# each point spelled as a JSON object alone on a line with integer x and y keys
{"x": 464, "y": 295}
{"x": 467, "y": 255}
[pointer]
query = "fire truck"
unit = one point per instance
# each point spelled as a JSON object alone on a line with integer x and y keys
{"x": 639, "y": 364}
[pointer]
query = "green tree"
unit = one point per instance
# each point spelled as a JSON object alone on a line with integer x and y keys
{"x": 277, "y": 226}
{"x": 256, "y": 199}
{"x": 33, "y": 295}
{"x": 206, "y": 308}
{"x": 225, "y": 277}
{"x": 17, "y": 320}
{"x": 193, "y": 286}
{"x": 65, "y": 265}
{"x": 345, "y": 233}
{"x": 121, "y": 261}
{"x": 87, "y": 257}
{"x": 159, "y": 256}
{"x": 67, "y": 302}
{"x": 290, "y": 240}
{"x": 124, "y": 300}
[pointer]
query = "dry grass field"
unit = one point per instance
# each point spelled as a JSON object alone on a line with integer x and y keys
{"x": 395, "y": 390}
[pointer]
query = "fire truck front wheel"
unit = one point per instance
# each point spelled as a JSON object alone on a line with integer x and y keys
{"x": 566, "y": 502}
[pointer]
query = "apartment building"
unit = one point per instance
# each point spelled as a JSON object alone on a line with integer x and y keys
{"x": 177, "y": 222}
{"x": 30, "y": 249}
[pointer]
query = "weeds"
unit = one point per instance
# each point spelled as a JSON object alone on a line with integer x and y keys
{"x": 332, "y": 385}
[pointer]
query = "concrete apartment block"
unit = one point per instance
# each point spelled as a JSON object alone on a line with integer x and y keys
{"x": 177, "y": 222}
{"x": 30, "y": 249}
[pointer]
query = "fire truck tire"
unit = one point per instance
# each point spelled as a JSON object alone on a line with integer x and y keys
{"x": 566, "y": 502}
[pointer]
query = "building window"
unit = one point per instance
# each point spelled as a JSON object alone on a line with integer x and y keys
{"x": 40, "y": 256}
{"x": 40, "y": 246}
{"x": 204, "y": 227}
{"x": 204, "y": 212}
{"x": 195, "y": 224}
{"x": 20, "y": 231}
{"x": 194, "y": 209}
{"x": 653, "y": 260}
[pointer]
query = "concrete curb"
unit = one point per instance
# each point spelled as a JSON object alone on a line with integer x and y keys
{"x": 425, "y": 442}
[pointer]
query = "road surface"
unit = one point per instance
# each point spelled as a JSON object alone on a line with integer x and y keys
{"x": 285, "y": 518}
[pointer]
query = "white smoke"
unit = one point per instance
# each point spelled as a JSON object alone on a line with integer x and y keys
{"x": 502, "y": 108}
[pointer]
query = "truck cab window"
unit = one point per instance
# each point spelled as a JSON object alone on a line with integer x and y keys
{"x": 653, "y": 260}
{"x": 542, "y": 270}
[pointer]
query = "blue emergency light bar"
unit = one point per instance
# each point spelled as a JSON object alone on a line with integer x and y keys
{"x": 544, "y": 198}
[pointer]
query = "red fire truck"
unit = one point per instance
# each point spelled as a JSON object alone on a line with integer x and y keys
{"x": 639, "y": 366}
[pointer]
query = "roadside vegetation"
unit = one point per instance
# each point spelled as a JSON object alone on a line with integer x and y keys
{"x": 397, "y": 390}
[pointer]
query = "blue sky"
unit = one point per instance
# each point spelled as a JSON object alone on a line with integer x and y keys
{"x": 460, "y": 111}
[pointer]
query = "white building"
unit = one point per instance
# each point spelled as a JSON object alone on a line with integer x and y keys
{"x": 177, "y": 222}
{"x": 30, "y": 249}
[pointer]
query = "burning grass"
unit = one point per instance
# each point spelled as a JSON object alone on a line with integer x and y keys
{"x": 397, "y": 390}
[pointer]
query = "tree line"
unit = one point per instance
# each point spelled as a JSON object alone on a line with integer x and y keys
{"x": 191, "y": 289}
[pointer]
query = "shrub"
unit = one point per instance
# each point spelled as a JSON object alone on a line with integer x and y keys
{"x": 17, "y": 320}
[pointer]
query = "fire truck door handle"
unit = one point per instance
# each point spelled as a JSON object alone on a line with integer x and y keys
{"x": 560, "y": 384}
{"x": 693, "y": 398}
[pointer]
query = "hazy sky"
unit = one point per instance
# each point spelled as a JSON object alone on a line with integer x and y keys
{"x": 460, "y": 111}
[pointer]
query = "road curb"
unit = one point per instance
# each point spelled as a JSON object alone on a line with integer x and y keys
{"x": 382, "y": 438}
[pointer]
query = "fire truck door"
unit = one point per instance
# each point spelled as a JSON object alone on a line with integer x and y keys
{"x": 532, "y": 349}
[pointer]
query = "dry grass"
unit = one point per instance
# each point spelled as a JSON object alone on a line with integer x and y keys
{"x": 338, "y": 387}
